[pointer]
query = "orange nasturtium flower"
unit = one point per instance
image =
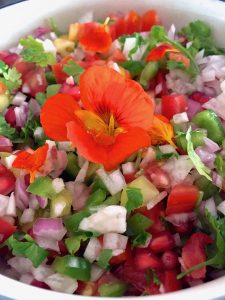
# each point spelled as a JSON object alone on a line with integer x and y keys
{"x": 159, "y": 53}
{"x": 92, "y": 36}
{"x": 114, "y": 123}
{"x": 162, "y": 131}
{"x": 31, "y": 162}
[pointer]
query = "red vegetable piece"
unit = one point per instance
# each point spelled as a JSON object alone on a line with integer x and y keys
{"x": 6, "y": 230}
{"x": 170, "y": 281}
{"x": 200, "y": 97}
{"x": 7, "y": 181}
{"x": 170, "y": 260}
{"x": 162, "y": 242}
{"x": 173, "y": 104}
{"x": 35, "y": 81}
{"x": 144, "y": 259}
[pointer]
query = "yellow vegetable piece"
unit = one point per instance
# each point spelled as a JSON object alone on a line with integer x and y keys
{"x": 148, "y": 190}
{"x": 73, "y": 31}
{"x": 63, "y": 45}
{"x": 61, "y": 204}
{"x": 4, "y": 102}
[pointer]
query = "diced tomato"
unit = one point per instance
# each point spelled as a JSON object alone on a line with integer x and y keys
{"x": 118, "y": 27}
{"x": 35, "y": 81}
{"x": 193, "y": 253}
{"x": 126, "y": 255}
{"x": 11, "y": 59}
{"x": 155, "y": 214}
{"x": 10, "y": 117}
{"x": 162, "y": 242}
{"x": 6, "y": 230}
{"x": 7, "y": 182}
{"x": 149, "y": 19}
{"x": 23, "y": 67}
{"x": 170, "y": 281}
{"x": 173, "y": 104}
{"x": 170, "y": 260}
{"x": 133, "y": 22}
{"x": 71, "y": 90}
{"x": 144, "y": 259}
{"x": 182, "y": 198}
{"x": 157, "y": 176}
{"x": 200, "y": 97}
{"x": 160, "y": 78}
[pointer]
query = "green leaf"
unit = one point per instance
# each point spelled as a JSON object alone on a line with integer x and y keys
{"x": 96, "y": 198}
{"x": 104, "y": 258}
{"x": 200, "y": 167}
{"x": 173, "y": 64}
{"x": 200, "y": 34}
{"x": 134, "y": 67}
{"x": 41, "y": 98}
{"x": 73, "y": 221}
{"x": 73, "y": 69}
{"x": 137, "y": 223}
{"x": 11, "y": 78}
{"x": 27, "y": 249}
{"x": 220, "y": 165}
{"x": 33, "y": 51}
{"x": 42, "y": 186}
{"x": 163, "y": 156}
{"x": 73, "y": 242}
{"x": 140, "y": 239}
{"x": 134, "y": 199}
{"x": 6, "y": 130}
{"x": 155, "y": 278}
{"x": 52, "y": 89}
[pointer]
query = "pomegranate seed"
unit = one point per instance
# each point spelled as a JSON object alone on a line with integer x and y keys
{"x": 170, "y": 260}
{"x": 163, "y": 242}
{"x": 145, "y": 259}
{"x": 10, "y": 117}
{"x": 7, "y": 183}
{"x": 200, "y": 97}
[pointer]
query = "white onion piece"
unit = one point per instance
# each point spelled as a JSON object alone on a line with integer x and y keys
{"x": 48, "y": 46}
{"x": 211, "y": 206}
{"x": 21, "y": 114}
{"x": 58, "y": 185}
{"x": 171, "y": 32}
{"x": 221, "y": 207}
{"x": 70, "y": 80}
{"x": 114, "y": 181}
{"x": 3, "y": 204}
{"x": 128, "y": 168}
{"x": 49, "y": 228}
{"x": 99, "y": 221}
{"x": 149, "y": 157}
{"x": 19, "y": 99}
{"x": 208, "y": 75}
{"x": 27, "y": 216}
{"x": 181, "y": 118}
{"x": 167, "y": 149}
{"x": 20, "y": 264}
{"x": 38, "y": 133}
{"x": 41, "y": 272}
{"x": 61, "y": 283}
{"x": 114, "y": 241}
{"x": 11, "y": 208}
{"x": 193, "y": 108}
{"x": 206, "y": 157}
{"x": 96, "y": 272}
{"x": 93, "y": 249}
{"x": 47, "y": 243}
{"x": 26, "y": 278}
{"x": 83, "y": 172}
{"x": 65, "y": 146}
{"x": 181, "y": 218}
{"x": 25, "y": 88}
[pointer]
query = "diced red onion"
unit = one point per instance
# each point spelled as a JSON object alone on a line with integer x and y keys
{"x": 193, "y": 108}
{"x": 181, "y": 218}
{"x": 40, "y": 31}
{"x": 180, "y": 118}
{"x": 42, "y": 201}
{"x": 128, "y": 168}
{"x": 114, "y": 181}
{"x": 21, "y": 195}
{"x": 96, "y": 272}
{"x": 93, "y": 249}
{"x": 156, "y": 200}
{"x": 34, "y": 107}
{"x": 80, "y": 193}
{"x": 33, "y": 202}
{"x": 47, "y": 243}
{"x": 70, "y": 80}
{"x": 27, "y": 216}
{"x": 210, "y": 205}
{"x": 11, "y": 208}
{"x": 41, "y": 272}
{"x": 217, "y": 180}
{"x": 221, "y": 207}
{"x": 82, "y": 173}
{"x": 3, "y": 204}
{"x": 61, "y": 283}
{"x": 78, "y": 54}
{"x": 208, "y": 75}
{"x": 59, "y": 164}
{"x": 26, "y": 88}
{"x": 5, "y": 143}
{"x": 51, "y": 228}
{"x": 158, "y": 89}
{"x": 171, "y": 32}
{"x": 20, "y": 264}
{"x": 205, "y": 156}
{"x": 19, "y": 99}
{"x": 149, "y": 157}
{"x": 26, "y": 278}
{"x": 211, "y": 146}
{"x": 21, "y": 113}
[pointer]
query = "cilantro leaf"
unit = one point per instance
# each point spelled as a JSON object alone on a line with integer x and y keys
{"x": 33, "y": 51}
{"x": 10, "y": 77}
{"x": 42, "y": 186}
{"x": 73, "y": 69}
{"x": 6, "y": 130}
{"x": 73, "y": 242}
{"x": 220, "y": 165}
{"x": 200, "y": 167}
{"x": 173, "y": 64}
{"x": 72, "y": 222}
{"x": 155, "y": 278}
{"x": 134, "y": 67}
{"x": 41, "y": 98}
{"x": 137, "y": 223}
{"x": 28, "y": 249}
{"x": 134, "y": 199}
{"x": 200, "y": 34}
{"x": 104, "y": 258}
{"x": 140, "y": 239}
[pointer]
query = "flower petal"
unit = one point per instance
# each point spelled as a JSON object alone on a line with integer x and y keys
{"x": 105, "y": 91}
{"x": 160, "y": 51}
{"x": 110, "y": 156}
{"x": 55, "y": 113}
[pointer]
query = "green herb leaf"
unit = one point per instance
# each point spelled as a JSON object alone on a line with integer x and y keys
{"x": 73, "y": 69}
{"x": 96, "y": 198}
{"x": 220, "y": 165}
{"x": 155, "y": 278}
{"x": 52, "y": 89}
{"x": 137, "y": 223}
{"x": 72, "y": 222}
{"x": 10, "y": 77}
{"x": 33, "y": 51}
{"x": 27, "y": 249}
{"x": 114, "y": 289}
{"x": 73, "y": 242}
{"x": 134, "y": 199}
{"x": 41, "y": 98}
{"x": 42, "y": 186}
{"x": 134, "y": 67}
{"x": 201, "y": 168}
{"x": 6, "y": 129}
{"x": 140, "y": 239}
{"x": 104, "y": 258}
{"x": 200, "y": 34}
{"x": 173, "y": 64}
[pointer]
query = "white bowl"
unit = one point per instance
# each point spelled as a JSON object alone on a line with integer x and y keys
{"x": 20, "y": 19}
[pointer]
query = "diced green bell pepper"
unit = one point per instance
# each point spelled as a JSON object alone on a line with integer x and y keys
{"x": 208, "y": 188}
{"x": 50, "y": 77}
{"x": 197, "y": 138}
{"x": 113, "y": 200}
{"x": 73, "y": 266}
{"x": 148, "y": 73}
{"x": 72, "y": 167}
{"x": 211, "y": 122}
{"x": 52, "y": 89}
{"x": 96, "y": 198}
{"x": 115, "y": 289}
